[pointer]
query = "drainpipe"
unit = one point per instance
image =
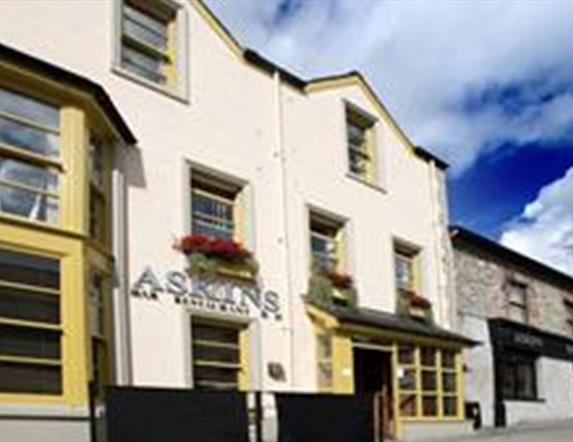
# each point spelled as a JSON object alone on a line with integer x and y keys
{"x": 280, "y": 151}
{"x": 120, "y": 300}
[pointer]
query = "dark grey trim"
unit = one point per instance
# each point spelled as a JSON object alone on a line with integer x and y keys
{"x": 61, "y": 75}
{"x": 429, "y": 156}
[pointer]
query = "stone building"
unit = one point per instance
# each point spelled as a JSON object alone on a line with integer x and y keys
{"x": 522, "y": 313}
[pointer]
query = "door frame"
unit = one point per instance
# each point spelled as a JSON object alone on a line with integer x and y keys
{"x": 388, "y": 351}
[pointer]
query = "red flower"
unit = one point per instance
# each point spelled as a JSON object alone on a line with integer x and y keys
{"x": 416, "y": 300}
{"x": 212, "y": 247}
{"x": 340, "y": 280}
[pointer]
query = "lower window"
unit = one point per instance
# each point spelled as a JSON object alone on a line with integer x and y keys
{"x": 30, "y": 332}
{"x": 518, "y": 377}
{"x": 216, "y": 353}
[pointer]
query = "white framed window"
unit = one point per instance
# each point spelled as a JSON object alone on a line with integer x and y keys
{"x": 216, "y": 207}
{"x": 361, "y": 145}
{"x": 151, "y": 44}
{"x": 407, "y": 269}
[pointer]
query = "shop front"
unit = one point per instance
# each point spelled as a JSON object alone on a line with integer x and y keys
{"x": 533, "y": 373}
{"x": 413, "y": 367}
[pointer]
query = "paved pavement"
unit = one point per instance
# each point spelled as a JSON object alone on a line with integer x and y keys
{"x": 555, "y": 431}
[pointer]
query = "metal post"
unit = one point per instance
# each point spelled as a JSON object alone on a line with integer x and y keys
{"x": 258, "y": 417}
{"x": 92, "y": 389}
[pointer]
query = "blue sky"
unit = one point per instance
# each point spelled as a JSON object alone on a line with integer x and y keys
{"x": 486, "y": 85}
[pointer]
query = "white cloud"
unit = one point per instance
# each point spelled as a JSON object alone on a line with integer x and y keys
{"x": 424, "y": 58}
{"x": 545, "y": 228}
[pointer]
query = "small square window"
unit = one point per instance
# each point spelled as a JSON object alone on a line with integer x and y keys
{"x": 516, "y": 295}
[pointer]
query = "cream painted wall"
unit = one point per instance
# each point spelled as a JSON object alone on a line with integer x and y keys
{"x": 233, "y": 124}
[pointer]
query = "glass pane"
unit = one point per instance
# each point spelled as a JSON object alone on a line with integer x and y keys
{"x": 22, "y": 378}
{"x": 137, "y": 31}
{"x": 33, "y": 343}
{"x": 358, "y": 164}
{"x": 429, "y": 380}
{"x": 408, "y": 379}
{"x": 408, "y": 404}
{"x": 404, "y": 271}
{"x": 28, "y": 138}
{"x": 30, "y": 109}
{"x": 428, "y": 356}
{"x": 206, "y": 229}
{"x": 41, "y": 178}
{"x": 216, "y": 354}
{"x": 97, "y": 315}
{"x": 204, "y": 375}
{"x": 517, "y": 293}
{"x": 449, "y": 382}
{"x": 448, "y": 359}
{"x": 29, "y": 305}
{"x": 406, "y": 355}
{"x": 28, "y": 204}
{"x": 508, "y": 380}
{"x": 97, "y": 215}
{"x": 525, "y": 379}
{"x": 217, "y": 334}
{"x": 96, "y": 159}
{"x": 430, "y": 406}
{"x": 141, "y": 64}
{"x": 145, "y": 20}
{"x": 450, "y": 406}
{"x": 29, "y": 269}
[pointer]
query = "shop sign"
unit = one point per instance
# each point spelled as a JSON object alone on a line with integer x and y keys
{"x": 213, "y": 294}
{"x": 507, "y": 334}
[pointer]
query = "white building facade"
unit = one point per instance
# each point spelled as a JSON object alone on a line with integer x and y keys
{"x": 238, "y": 161}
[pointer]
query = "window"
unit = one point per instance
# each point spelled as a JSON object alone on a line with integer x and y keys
{"x": 326, "y": 243}
{"x": 428, "y": 382}
{"x": 517, "y": 301}
{"x": 217, "y": 358}
{"x": 97, "y": 328}
{"x": 406, "y": 268}
{"x": 97, "y": 208}
{"x": 324, "y": 360}
{"x": 215, "y": 207}
{"x": 29, "y": 152}
{"x": 151, "y": 40}
{"x": 518, "y": 377}
{"x": 30, "y": 346}
{"x": 360, "y": 142}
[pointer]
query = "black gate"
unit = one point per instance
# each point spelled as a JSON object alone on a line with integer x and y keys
{"x": 329, "y": 418}
{"x": 130, "y": 414}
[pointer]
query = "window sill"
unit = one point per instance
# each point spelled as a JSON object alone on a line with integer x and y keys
{"x": 540, "y": 400}
{"x": 182, "y": 97}
{"x": 373, "y": 186}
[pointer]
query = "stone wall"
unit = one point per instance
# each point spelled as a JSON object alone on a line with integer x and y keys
{"x": 480, "y": 285}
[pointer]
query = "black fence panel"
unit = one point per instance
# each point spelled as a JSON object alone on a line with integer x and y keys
{"x": 325, "y": 418}
{"x": 162, "y": 415}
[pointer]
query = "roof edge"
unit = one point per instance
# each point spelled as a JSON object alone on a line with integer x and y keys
{"x": 60, "y": 75}
{"x": 461, "y": 234}
{"x": 430, "y": 157}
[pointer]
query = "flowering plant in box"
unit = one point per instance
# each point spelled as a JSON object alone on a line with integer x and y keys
{"x": 212, "y": 255}
{"x": 325, "y": 284}
{"x": 413, "y": 304}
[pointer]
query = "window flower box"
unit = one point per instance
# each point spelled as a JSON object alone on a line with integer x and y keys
{"x": 326, "y": 288}
{"x": 415, "y": 305}
{"x": 217, "y": 257}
